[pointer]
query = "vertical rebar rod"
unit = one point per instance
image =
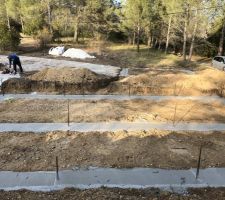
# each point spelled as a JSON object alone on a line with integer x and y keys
{"x": 129, "y": 89}
{"x": 3, "y": 93}
{"x": 68, "y": 112}
{"x": 64, "y": 92}
{"x": 174, "y": 116}
{"x": 83, "y": 85}
{"x": 199, "y": 162}
{"x": 57, "y": 168}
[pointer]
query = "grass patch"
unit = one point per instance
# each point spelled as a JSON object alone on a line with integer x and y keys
{"x": 151, "y": 58}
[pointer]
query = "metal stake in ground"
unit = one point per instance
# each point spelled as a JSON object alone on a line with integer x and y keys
{"x": 68, "y": 112}
{"x": 3, "y": 93}
{"x": 129, "y": 89}
{"x": 83, "y": 85}
{"x": 64, "y": 92}
{"x": 199, "y": 162}
{"x": 57, "y": 168}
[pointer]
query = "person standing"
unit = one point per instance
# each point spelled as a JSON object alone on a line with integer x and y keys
{"x": 15, "y": 60}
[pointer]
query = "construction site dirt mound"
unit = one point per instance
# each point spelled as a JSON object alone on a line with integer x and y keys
{"x": 65, "y": 74}
{"x": 205, "y": 82}
{"x": 58, "y": 80}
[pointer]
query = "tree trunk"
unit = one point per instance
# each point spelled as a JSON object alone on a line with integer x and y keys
{"x": 193, "y": 37}
{"x": 138, "y": 39}
{"x": 134, "y": 38}
{"x": 77, "y": 23}
{"x": 149, "y": 40}
{"x": 75, "y": 37}
{"x": 21, "y": 16}
{"x": 7, "y": 17}
{"x": 168, "y": 34}
{"x": 185, "y": 37}
{"x": 220, "y": 50}
{"x": 160, "y": 42}
{"x": 129, "y": 40}
{"x": 49, "y": 17}
{"x": 8, "y": 21}
{"x": 156, "y": 42}
{"x": 22, "y": 24}
{"x": 152, "y": 39}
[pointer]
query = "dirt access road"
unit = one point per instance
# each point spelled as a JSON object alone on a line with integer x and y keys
{"x": 115, "y": 194}
{"x": 154, "y": 149}
{"x": 37, "y": 64}
{"x": 22, "y": 111}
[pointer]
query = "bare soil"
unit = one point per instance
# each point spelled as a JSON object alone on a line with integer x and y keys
{"x": 174, "y": 111}
{"x": 65, "y": 74}
{"x": 114, "y": 194}
{"x": 155, "y": 149}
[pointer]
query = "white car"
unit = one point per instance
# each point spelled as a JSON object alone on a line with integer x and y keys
{"x": 219, "y": 62}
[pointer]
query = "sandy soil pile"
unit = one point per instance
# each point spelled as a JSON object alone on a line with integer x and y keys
{"x": 207, "y": 81}
{"x": 65, "y": 74}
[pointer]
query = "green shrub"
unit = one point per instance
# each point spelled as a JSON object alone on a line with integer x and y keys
{"x": 10, "y": 39}
{"x": 45, "y": 37}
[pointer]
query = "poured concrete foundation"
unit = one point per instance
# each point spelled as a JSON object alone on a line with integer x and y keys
{"x": 109, "y": 126}
{"x": 121, "y": 178}
{"x": 205, "y": 99}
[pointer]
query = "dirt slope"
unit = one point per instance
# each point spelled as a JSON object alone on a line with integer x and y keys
{"x": 205, "y": 82}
